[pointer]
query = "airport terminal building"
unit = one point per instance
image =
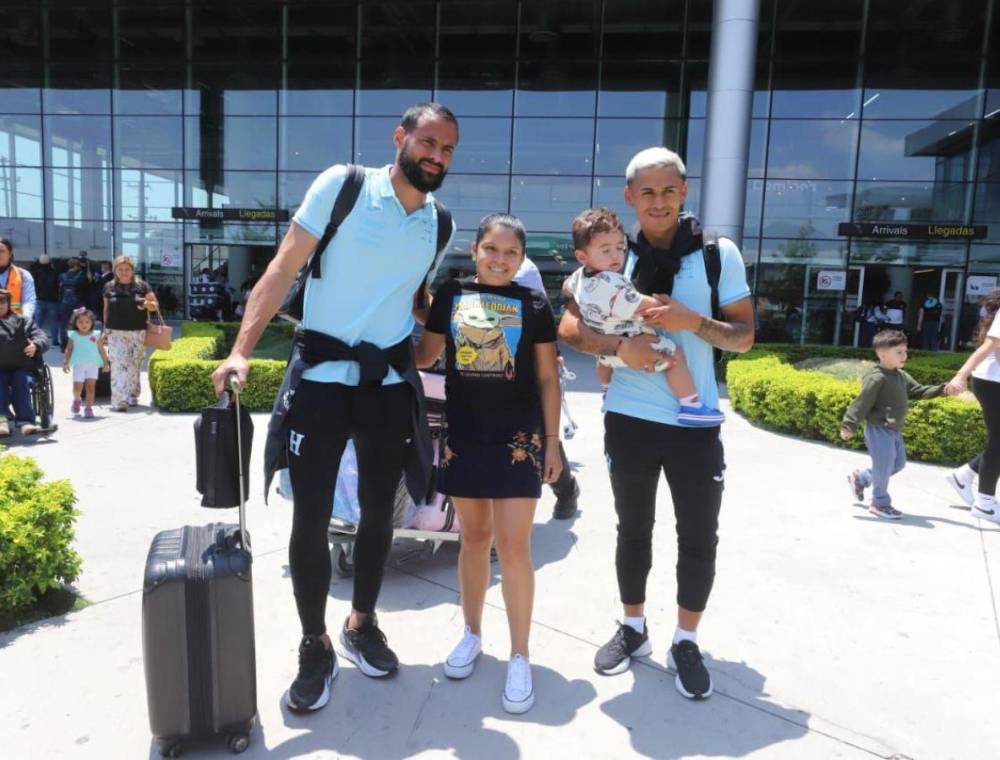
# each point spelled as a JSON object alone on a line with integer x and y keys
{"x": 185, "y": 132}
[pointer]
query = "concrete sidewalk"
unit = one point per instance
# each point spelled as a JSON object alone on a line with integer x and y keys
{"x": 830, "y": 633}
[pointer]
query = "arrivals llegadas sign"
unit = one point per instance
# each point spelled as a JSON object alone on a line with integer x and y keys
{"x": 230, "y": 214}
{"x": 893, "y": 230}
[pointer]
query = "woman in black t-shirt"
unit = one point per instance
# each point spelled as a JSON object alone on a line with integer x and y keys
{"x": 127, "y": 304}
{"x": 502, "y": 438}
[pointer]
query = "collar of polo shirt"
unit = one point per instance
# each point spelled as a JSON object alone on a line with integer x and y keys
{"x": 384, "y": 189}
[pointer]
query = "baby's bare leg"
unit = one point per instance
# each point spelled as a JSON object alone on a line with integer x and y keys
{"x": 679, "y": 377}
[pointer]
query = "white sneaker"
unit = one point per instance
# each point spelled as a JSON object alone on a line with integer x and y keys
{"x": 986, "y": 508}
{"x": 462, "y": 660}
{"x": 518, "y": 693}
{"x": 963, "y": 489}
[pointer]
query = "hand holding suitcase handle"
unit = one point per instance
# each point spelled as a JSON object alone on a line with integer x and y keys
{"x": 237, "y": 388}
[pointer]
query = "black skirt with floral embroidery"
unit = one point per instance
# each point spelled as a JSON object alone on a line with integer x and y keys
{"x": 491, "y": 456}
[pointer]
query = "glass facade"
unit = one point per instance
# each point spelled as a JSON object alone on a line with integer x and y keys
{"x": 115, "y": 112}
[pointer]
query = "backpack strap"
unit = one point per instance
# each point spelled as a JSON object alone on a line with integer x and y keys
{"x": 343, "y": 206}
{"x": 713, "y": 272}
{"x": 443, "y": 236}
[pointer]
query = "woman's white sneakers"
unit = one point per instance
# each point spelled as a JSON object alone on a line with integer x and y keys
{"x": 986, "y": 508}
{"x": 518, "y": 693}
{"x": 462, "y": 660}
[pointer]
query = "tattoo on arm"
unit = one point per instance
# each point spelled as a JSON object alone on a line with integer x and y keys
{"x": 588, "y": 341}
{"x": 729, "y": 336}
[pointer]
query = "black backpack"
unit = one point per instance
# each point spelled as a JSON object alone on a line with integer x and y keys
{"x": 342, "y": 206}
{"x": 713, "y": 272}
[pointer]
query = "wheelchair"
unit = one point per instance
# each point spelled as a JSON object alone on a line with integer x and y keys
{"x": 42, "y": 397}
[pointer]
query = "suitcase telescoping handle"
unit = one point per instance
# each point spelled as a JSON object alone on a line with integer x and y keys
{"x": 237, "y": 388}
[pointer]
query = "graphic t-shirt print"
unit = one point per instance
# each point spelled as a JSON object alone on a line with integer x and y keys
{"x": 486, "y": 328}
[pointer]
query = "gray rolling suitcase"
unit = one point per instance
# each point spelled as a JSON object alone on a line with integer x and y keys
{"x": 197, "y": 634}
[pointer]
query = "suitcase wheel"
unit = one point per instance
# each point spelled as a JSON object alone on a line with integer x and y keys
{"x": 238, "y": 743}
{"x": 170, "y": 749}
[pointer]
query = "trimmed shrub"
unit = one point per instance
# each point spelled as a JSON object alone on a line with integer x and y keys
{"x": 765, "y": 387}
{"x": 36, "y": 534}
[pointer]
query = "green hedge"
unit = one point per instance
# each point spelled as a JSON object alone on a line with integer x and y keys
{"x": 181, "y": 378}
{"x": 765, "y": 387}
{"x": 36, "y": 534}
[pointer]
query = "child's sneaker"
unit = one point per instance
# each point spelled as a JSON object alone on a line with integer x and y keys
{"x": 699, "y": 416}
{"x": 75, "y": 406}
{"x": 462, "y": 660}
{"x": 857, "y": 490}
{"x": 88, "y": 413}
{"x": 886, "y": 512}
{"x": 518, "y": 692}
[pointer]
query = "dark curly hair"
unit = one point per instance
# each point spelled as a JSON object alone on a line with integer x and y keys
{"x": 991, "y": 303}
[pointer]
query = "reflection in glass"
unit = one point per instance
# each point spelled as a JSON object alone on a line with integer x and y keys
{"x": 556, "y": 88}
{"x": 989, "y": 148}
{"x": 20, "y": 140}
{"x": 75, "y": 193}
{"x": 907, "y": 103}
{"x": 620, "y": 139}
{"x": 78, "y": 88}
{"x": 822, "y": 89}
{"x": 246, "y": 90}
{"x": 149, "y": 141}
{"x": 553, "y": 146}
{"x": 309, "y": 143}
{"x": 292, "y": 187}
{"x": 896, "y": 252}
{"x": 318, "y": 90}
{"x": 471, "y": 197}
{"x": 28, "y": 236}
{"x": 239, "y": 142}
{"x": 484, "y": 146}
{"x": 915, "y": 150}
{"x": 639, "y": 88}
{"x": 68, "y": 238}
{"x": 805, "y": 208}
{"x": 149, "y": 89}
{"x": 609, "y": 192}
{"x": 752, "y": 207}
{"x": 694, "y": 158}
{"x": 20, "y": 193}
{"x": 389, "y": 87}
{"x": 475, "y": 87}
{"x": 373, "y": 144}
{"x": 916, "y": 202}
{"x": 230, "y": 232}
{"x": 548, "y": 204}
{"x": 987, "y": 209}
{"x": 78, "y": 140}
{"x": 20, "y": 90}
{"x": 148, "y": 195}
{"x": 560, "y": 28}
{"x": 237, "y": 189}
{"x": 806, "y": 149}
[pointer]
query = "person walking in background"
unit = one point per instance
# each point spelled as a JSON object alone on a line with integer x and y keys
{"x": 16, "y": 281}
{"x": 502, "y": 436}
{"x": 895, "y": 311}
{"x": 984, "y": 369}
{"x": 929, "y": 322}
{"x": 47, "y": 295}
{"x": 882, "y": 405}
{"x": 127, "y": 304}
{"x": 71, "y": 284}
{"x": 85, "y": 357}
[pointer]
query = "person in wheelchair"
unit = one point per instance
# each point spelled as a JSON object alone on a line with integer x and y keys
{"x": 22, "y": 344}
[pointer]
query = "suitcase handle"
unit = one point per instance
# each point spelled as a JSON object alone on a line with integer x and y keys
{"x": 237, "y": 389}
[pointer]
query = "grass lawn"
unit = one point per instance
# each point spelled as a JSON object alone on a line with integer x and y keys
{"x": 57, "y": 602}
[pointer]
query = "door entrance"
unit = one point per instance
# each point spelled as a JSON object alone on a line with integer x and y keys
{"x": 220, "y": 276}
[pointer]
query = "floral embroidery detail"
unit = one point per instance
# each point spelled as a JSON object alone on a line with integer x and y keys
{"x": 526, "y": 448}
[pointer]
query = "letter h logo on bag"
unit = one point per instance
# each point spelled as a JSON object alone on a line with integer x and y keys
{"x": 295, "y": 441}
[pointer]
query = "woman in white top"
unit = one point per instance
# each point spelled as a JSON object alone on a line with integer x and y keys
{"x": 984, "y": 368}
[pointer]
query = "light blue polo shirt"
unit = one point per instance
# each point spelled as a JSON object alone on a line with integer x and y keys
{"x": 645, "y": 394}
{"x": 370, "y": 271}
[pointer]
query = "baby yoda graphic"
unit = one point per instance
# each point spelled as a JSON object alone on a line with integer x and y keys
{"x": 480, "y": 342}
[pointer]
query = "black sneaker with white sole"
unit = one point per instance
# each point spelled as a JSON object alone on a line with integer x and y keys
{"x": 366, "y": 647}
{"x": 616, "y": 656}
{"x": 693, "y": 679}
{"x": 317, "y": 668}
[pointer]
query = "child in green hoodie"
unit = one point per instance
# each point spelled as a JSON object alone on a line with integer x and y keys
{"x": 886, "y": 391}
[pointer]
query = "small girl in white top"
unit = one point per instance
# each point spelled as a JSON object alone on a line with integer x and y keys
{"x": 86, "y": 356}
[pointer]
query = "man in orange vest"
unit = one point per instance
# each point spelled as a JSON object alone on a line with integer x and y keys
{"x": 16, "y": 281}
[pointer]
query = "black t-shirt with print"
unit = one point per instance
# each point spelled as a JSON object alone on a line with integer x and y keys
{"x": 490, "y": 336}
{"x": 123, "y": 306}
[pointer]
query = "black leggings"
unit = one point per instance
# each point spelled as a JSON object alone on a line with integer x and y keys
{"x": 323, "y": 416}
{"x": 692, "y": 461}
{"x": 987, "y": 464}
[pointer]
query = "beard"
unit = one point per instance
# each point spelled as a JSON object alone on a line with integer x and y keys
{"x": 415, "y": 174}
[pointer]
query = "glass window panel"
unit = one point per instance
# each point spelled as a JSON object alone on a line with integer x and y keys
{"x": 789, "y": 251}
{"x": 149, "y": 89}
{"x": 20, "y": 89}
{"x": 456, "y": 262}
{"x": 979, "y": 255}
{"x": 232, "y": 31}
{"x": 80, "y": 32}
{"x": 314, "y": 143}
{"x": 643, "y": 29}
{"x": 391, "y": 85}
{"x": 28, "y": 236}
{"x": 989, "y": 148}
{"x": 240, "y": 142}
{"x": 373, "y": 144}
{"x": 78, "y": 88}
{"x": 478, "y": 28}
{"x": 620, "y": 139}
{"x": 916, "y": 202}
{"x": 78, "y": 140}
{"x": 987, "y": 209}
{"x": 752, "y": 207}
{"x": 805, "y": 149}
{"x": 75, "y": 193}
{"x": 915, "y": 253}
{"x": 819, "y": 89}
{"x": 825, "y": 30}
{"x": 475, "y": 87}
{"x": 67, "y": 238}
{"x": 22, "y": 41}
{"x": 553, "y": 146}
{"x": 914, "y": 150}
{"x": 292, "y": 187}
{"x": 231, "y": 232}
{"x": 548, "y": 204}
{"x": 805, "y": 208}
{"x": 246, "y": 89}
{"x": 609, "y": 192}
{"x": 693, "y": 201}
{"x": 697, "y": 83}
{"x": 694, "y": 159}
{"x": 319, "y": 90}
{"x": 144, "y": 195}
{"x": 149, "y": 141}
{"x": 560, "y": 27}
{"x": 150, "y": 32}
{"x": 20, "y": 140}
{"x": 639, "y": 88}
{"x": 556, "y": 88}
{"x": 922, "y": 88}
{"x": 317, "y": 30}
{"x": 934, "y": 31}
{"x": 397, "y": 29}
{"x": 483, "y": 147}
{"x": 470, "y": 197}
{"x": 20, "y": 194}
{"x": 236, "y": 189}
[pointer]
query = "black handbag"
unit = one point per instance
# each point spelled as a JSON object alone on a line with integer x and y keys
{"x": 216, "y": 443}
